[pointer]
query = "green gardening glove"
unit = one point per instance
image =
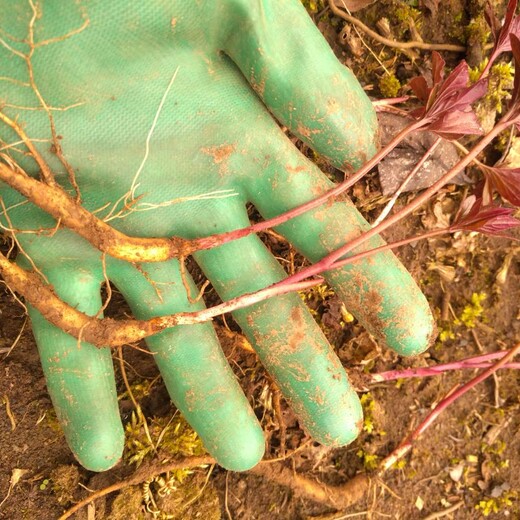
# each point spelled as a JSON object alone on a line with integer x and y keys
{"x": 171, "y": 104}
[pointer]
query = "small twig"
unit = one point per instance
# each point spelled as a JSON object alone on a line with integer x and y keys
{"x": 226, "y": 498}
{"x": 140, "y": 476}
{"x": 477, "y": 341}
{"x": 393, "y": 43}
{"x": 447, "y": 511}
{"x": 337, "y": 516}
{"x": 277, "y": 405}
{"x": 376, "y": 57}
{"x": 125, "y": 377}
{"x": 8, "y": 412}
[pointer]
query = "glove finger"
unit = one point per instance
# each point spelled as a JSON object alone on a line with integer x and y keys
{"x": 377, "y": 290}
{"x": 288, "y": 341}
{"x": 194, "y": 368}
{"x": 80, "y": 377}
{"x": 296, "y": 74}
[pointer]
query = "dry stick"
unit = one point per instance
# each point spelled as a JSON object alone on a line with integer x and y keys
{"x": 406, "y": 445}
{"x": 445, "y": 512}
{"x": 112, "y": 333}
{"x": 393, "y": 43}
{"x": 139, "y": 477}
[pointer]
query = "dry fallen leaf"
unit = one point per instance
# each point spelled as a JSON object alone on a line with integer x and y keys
{"x": 456, "y": 472}
{"x": 16, "y": 475}
{"x": 400, "y": 161}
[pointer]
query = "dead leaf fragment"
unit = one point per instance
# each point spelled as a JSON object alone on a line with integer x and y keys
{"x": 16, "y": 475}
{"x": 401, "y": 161}
{"x": 6, "y": 402}
{"x": 456, "y": 472}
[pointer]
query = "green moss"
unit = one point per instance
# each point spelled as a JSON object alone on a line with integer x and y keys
{"x": 127, "y": 505}
{"x": 65, "y": 482}
{"x": 389, "y": 85}
{"x": 497, "y": 504}
{"x": 472, "y": 312}
{"x": 500, "y": 84}
{"x": 175, "y": 437}
{"x": 446, "y": 333}
{"x": 477, "y": 31}
{"x": 314, "y": 6}
{"x": 370, "y": 461}
{"x": 368, "y": 404}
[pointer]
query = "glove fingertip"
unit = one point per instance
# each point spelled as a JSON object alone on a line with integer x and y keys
{"x": 416, "y": 335}
{"x": 246, "y": 452}
{"x": 100, "y": 451}
{"x": 341, "y": 426}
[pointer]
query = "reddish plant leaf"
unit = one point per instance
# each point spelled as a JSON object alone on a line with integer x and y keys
{"x": 447, "y": 110}
{"x": 515, "y": 47}
{"x": 502, "y": 33}
{"x": 492, "y": 21}
{"x": 505, "y": 181}
{"x": 454, "y": 125}
{"x": 490, "y": 220}
{"x": 420, "y": 88}
{"x": 438, "y": 65}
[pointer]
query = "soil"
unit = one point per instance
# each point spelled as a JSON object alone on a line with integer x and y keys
{"x": 467, "y": 462}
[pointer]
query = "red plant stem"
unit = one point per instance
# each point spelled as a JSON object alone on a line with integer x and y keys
{"x": 468, "y": 363}
{"x": 433, "y": 371}
{"x": 328, "y": 262}
{"x": 277, "y": 289}
{"x": 406, "y": 445}
{"x": 390, "y": 245}
{"x": 222, "y": 238}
